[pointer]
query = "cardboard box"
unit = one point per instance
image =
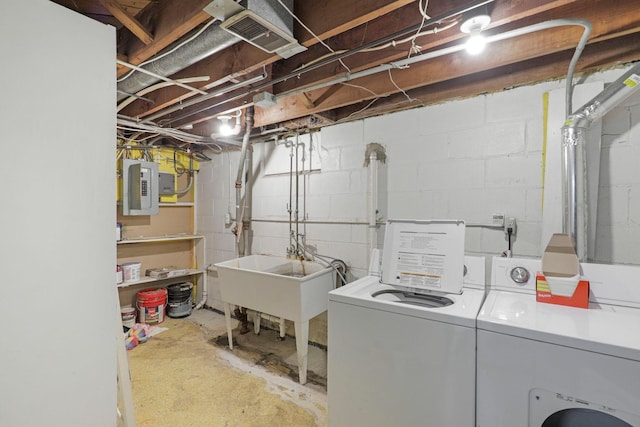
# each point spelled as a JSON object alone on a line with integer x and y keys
{"x": 560, "y": 281}
{"x": 579, "y": 298}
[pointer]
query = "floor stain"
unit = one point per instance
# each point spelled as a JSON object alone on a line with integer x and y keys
{"x": 183, "y": 377}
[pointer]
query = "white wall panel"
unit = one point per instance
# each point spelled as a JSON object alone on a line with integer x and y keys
{"x": 57, "y": 252}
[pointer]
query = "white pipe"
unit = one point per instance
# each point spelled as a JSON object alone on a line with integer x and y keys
{"x": 206, "y": 97}
{"x": 573, "y": 154}
{"x": 449, "y": 50}
{"x": 296, "y": 212}
{"x": 241, "y": 166}
{"x": 158, "y": 76}
{"x": 291, "y": 248}
{"x": 248, "y": 196}
{"x": 157, "y": 86}
{"x": 373, "y": 201}
{"x": 304, "y": 189}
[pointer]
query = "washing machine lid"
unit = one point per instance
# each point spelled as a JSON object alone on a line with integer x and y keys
{"x": 461, "y": 312}
{"x": 424, "y": 255}
{"x": 602, "y": 328}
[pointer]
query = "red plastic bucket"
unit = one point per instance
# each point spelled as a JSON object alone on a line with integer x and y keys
{"x": 151, "y": 305}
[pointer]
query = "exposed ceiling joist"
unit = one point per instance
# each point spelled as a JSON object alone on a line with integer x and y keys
{"x": 348, "y": 26}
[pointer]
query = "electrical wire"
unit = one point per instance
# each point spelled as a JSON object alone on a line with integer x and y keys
{"x": 392, "y": 43}
{"x": 360, "y": 110}
{"x": 423, "y": 10}
{"x": 402, "y": 90}
{"x": 441, "y": 18}
{"x": 361, "y": 87}
{"x": 312, "y": 33}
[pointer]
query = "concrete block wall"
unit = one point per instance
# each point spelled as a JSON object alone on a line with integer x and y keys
{"x": 464, "y": 159}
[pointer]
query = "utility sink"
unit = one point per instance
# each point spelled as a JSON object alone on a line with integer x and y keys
{"x": 287, "y": 288}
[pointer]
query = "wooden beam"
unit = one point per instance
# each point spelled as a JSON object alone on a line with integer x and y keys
{"x": 503, "y": 13}
{"x": 172, "y": 20}
{"x": 601, "y": 55}
{"x": 429, "y": 72}
{"x": 128, "y": 21}
{"x": 244, "y": 58}
{"x": 327, "y": 21}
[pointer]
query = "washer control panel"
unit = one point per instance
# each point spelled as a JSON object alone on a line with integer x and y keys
{"x": 515, "y": 274}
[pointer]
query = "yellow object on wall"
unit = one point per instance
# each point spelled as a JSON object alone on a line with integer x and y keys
{"x": 171, "y": 161}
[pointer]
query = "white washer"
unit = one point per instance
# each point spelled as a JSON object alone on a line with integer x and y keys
{"x": 403, "y": 364}
{"x": 545, "y": 365}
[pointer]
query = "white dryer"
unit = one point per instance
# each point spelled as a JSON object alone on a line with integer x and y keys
{"x": 402, "y": 356}
{"x": 544, "y": 365}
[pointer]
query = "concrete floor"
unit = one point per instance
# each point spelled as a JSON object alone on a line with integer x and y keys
{"x": 187, "y": 376}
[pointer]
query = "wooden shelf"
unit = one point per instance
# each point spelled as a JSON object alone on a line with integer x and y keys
{"x": 160, "y": 239}
{"x": 147, "y": 279}
{"x": 178, "y": 204}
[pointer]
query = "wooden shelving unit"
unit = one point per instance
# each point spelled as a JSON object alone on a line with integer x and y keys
{"x": 167, "y": 239}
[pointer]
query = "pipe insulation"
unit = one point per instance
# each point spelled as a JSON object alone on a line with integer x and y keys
{"x": 213, "y": 39}
{"x": 574, "y": 169}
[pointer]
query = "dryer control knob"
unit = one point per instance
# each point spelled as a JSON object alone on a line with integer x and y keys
{"x": 520, "y": 275}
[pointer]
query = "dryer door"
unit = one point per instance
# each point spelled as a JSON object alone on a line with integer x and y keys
{"x": 549, "y": 409}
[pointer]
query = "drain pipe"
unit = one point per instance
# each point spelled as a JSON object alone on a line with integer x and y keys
{"x": 291, "y": 248}
{"x": 241, "y": 165}
{"x": 374, "y": 153}
{"x": 242, "y": 242}
{"x": 573, "y": 155}
{"x": 248, "y": 201}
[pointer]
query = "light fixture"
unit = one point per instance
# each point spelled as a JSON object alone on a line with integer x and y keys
{"x": 474, "y": 26}
{"x": 226, "y": 128}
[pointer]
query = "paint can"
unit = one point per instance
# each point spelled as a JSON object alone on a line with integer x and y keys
{"x": 128, "y": 314}
{"x": 151, "y": 305}
{"x": 131, "y": 271}
{"x": 179, "y": 300}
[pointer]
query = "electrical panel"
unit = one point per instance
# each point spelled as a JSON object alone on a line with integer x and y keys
{"x": 167, "y": 184}
{"x": 139, "y": 187}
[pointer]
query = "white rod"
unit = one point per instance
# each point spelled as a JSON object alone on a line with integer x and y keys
{"x": 158, "y": 76}
{"x": 157, "y": 86}
{"x": 206, "y": 96}
{"x": 440, "y": 52}
{"x": 373, "y": 201}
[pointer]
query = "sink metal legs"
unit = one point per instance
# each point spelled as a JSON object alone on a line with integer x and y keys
{"x": 302, "y": 338}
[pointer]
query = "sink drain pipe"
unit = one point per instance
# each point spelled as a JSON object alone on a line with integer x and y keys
{"x": 574, "y": 171}
{"x": 243, "y": 209}
{"x": 242, "y": 229}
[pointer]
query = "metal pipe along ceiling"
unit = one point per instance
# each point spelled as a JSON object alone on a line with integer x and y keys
{"x": 213, "y": 39}
{"x": 573, "y": 154}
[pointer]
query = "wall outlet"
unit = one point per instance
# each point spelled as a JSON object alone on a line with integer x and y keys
{"x": 510, "y": 223}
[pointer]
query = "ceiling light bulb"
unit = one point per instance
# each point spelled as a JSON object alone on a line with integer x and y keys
{"x": 225, "y": 128}
{"x": 476, "y": 43}
{"x": 473, "y": 26}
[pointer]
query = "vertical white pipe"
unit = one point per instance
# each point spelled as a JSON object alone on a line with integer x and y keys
{"x": 297, "y": 211}
{"x": 248, "y": 201}
{"x": 373, "y": 201}
{"x": 241, "y": 165}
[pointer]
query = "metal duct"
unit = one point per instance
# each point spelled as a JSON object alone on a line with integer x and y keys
{"x": 212, "y": 40}
{"x": 573, "y": 155}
